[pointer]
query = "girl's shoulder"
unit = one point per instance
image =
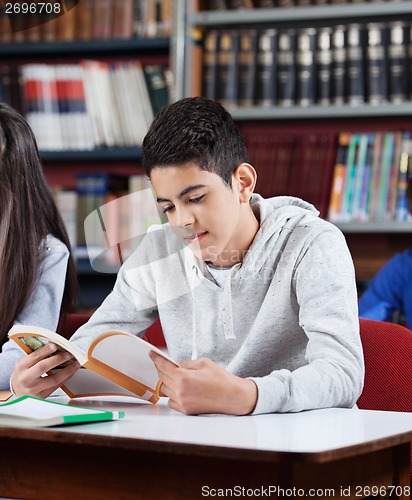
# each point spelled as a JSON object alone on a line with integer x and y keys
{"x": 53, "y": 245}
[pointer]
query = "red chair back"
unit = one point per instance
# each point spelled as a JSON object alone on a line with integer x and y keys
{"x": 387, "y": 349}
{"x": 72, "y": 322}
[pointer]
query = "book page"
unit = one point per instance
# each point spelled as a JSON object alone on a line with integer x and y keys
{"x": 85, "y": 383}
{"x": 127, "y": 354}
{"x": 30, "y": 338}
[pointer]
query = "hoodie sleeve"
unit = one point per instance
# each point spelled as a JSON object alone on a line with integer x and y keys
{"x": 43, "y": 307}
{"x": 325, "y": 289}
{"x": 130, "y": 307}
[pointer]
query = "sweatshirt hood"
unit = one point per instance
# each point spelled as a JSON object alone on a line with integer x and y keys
{"x": 277, "y": 218}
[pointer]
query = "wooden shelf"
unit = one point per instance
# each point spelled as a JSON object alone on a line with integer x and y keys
{"x": 277, "y": 16}
{"x": 113, "y": 47}
{"x": 375, "y": 227}
{"x": 309, "y": 112}
{"x": 101, "y": 154}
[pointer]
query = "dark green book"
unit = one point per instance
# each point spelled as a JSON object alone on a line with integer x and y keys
{"x": 155, "y": 76}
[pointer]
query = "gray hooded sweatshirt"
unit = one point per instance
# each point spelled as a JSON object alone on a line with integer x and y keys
{"x": 286, "y": 317}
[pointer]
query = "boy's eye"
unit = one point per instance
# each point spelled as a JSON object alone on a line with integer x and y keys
{"x": 167, "y": 209}
{"x": 196, "y": 200}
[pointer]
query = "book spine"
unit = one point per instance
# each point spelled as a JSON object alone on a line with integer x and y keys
{"x": 339, "y": 64}
{"x": 122, "y": 18}
{"x": 376, "y": 168}
{"x": 338, "y": 178}
{"x": 324, "y": 66}
{"x": 84, "y": 19}
{"x": 360, "y": 176}
{"x": 394, "y": 176}
{"x": 305, "y": 67}
{"x": 247, "y": 67}
{"x": 377, "y": 63}
{"x": 384, "y": 180}
{"x": 228, "y": 68}
{"x": 398, "y": 62}
{"x": 286, "y": 75}
{"x": 156, "y": 85}
{"x": 102, "y": 19}
{"x": 367, "y": 179}
{"x": 355, "y": 64}
{"x": 402, "y": 209}
{"x": 211, "y": 41}
{"x": 266, "y": 68}
{"x": 349, "y": 178}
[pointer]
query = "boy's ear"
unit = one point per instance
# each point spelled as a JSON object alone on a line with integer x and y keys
{"x": 245, "y": 176}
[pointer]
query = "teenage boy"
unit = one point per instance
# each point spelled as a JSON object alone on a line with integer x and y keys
{"x": 259, "y": 293}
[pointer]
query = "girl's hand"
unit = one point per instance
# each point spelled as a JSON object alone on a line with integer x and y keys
{"x": 27, "y": 376}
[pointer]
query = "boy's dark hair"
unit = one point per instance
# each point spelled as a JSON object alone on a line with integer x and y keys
{"x": 194, "y": 130}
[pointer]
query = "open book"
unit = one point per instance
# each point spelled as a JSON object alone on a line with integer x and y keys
{"x": 28, "y": 411}
{"x": 116, "y": 363}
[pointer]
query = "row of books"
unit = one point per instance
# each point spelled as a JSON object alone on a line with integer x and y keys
{"x": 355, "y": 64}
{"x": 371, "y": 176}
{"x": 292, "y": 164}
{"x": 86, "y": 20}
{"x": 87, "y": 105}
{"x": 267, "y": 4}
{"x": 106, "y": 216}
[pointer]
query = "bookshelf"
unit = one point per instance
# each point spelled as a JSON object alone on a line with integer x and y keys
{"x": 371, "y": 243}
{"x": 64, "y": 165}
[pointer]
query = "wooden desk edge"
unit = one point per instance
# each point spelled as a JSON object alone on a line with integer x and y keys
{"x": 126, "y": 443}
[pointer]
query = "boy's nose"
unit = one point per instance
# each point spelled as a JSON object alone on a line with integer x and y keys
{"x": 184, "y": 218}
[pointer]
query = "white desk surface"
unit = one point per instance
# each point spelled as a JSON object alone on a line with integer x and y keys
{"x": 307, "y": 432}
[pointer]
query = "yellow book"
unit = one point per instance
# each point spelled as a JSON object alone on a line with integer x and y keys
{"x": 116, "y": 363}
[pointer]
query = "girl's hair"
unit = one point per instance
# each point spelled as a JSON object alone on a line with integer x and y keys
{"x": 27, "y": 215}
{"x": 198, "y": 130}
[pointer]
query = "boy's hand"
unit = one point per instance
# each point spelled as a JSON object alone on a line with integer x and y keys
{"x": 27, "y": 375}
{"x": 202, "y": 386}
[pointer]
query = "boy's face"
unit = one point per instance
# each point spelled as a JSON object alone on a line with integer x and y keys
{"x": 204, "y": 212}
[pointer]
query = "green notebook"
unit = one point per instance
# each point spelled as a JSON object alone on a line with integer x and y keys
{"x": 28, "y": 411}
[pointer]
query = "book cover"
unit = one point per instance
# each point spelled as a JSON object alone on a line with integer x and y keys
{"x": 28, "y": 411}
{"x": 116, "y": 363}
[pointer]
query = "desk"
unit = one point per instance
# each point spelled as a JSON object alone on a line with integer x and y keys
{"x": 156, "y": 452}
